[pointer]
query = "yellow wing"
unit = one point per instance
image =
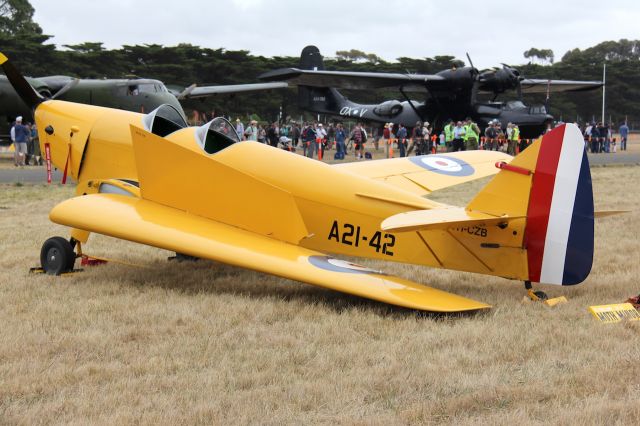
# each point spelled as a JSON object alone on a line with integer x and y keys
{"x": 427, "y": 173}
{"x": 146, "y": 222}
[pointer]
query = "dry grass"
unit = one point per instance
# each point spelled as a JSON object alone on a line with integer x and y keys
{"x": 205, "y": 343}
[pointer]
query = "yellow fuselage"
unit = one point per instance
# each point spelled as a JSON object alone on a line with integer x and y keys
{"x": 268, "y": 191}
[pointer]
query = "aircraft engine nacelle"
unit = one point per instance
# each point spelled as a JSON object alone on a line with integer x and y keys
{"x": 499, "y": 81}
{"x": 388, "y": 109}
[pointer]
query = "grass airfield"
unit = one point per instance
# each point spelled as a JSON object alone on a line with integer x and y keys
{"x": 206, "y": 343}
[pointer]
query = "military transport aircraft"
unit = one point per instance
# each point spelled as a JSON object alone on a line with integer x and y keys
{"x": 450, "y": 94}
{"x": 151, "y": 179}
{"x": 136, "y": 94}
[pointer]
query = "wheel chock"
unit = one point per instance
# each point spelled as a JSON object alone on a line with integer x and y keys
{"x": 540, "y": 296}
{"x": 40, "y": 270}
{"x": 555, "y": 301}
{"x": 91, "y": 261}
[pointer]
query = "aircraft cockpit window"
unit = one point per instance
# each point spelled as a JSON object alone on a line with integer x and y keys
{"x": 147, "y": 88}
{"x": 164, "y": 120}
{"x": 216, "y": 135}
{"x": 512, "y": 105}
{"x": 138, "y": 88}
{"x": 538, "y": 109}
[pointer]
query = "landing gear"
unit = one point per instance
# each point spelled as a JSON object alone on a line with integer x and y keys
{"x": 57, "y": 256}
{"x": 535, "y": 295}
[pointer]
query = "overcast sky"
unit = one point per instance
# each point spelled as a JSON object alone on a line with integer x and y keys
{"x": 491, "y": 31}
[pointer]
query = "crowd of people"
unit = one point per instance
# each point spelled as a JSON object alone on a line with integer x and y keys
{"x": 314, "y": 138}
{"x": 598, "y": 137}
{"x": 25, "y": 141}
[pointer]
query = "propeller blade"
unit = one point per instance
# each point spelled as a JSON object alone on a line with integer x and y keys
{"x": 470, "y": 61}
{"x": 70, "y": 85}
{"x": 186, "y": 92}
{"x": 26, "y": 92}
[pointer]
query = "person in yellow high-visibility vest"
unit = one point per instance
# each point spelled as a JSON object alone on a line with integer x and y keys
{"x": 471, "y": 135}
{"x": 514, "y": 137}
{"x": 448, "y": 135}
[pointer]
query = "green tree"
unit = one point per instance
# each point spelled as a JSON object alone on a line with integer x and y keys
{"x": 21, "y": 38}
{"x": 16, "y": 16}
{"x": 543, "y": 55}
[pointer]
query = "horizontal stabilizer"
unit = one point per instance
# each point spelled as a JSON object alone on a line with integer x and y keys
{"x": 423, "y": 220}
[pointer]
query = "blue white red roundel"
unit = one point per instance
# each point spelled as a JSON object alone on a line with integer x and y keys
{"x": 336, "y": 265}
{"x": 444, "y": 165}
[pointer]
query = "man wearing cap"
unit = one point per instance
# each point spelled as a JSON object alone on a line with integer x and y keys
{"x": 22, "y": 135}
{"x": 321, "y": 138}
{"x": 240, "y": 128}
{"x": 252, "y": 131}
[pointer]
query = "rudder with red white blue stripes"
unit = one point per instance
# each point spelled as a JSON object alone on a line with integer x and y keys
{"x": 560, "y": 217}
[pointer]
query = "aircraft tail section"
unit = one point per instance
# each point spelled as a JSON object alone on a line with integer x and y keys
{"x": 324, "y": 100}
{"x": 550, "y": 184}
{"x": 311, "y": 59}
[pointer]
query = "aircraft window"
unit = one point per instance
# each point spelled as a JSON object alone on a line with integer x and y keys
{"x": 147, "y": 88}
{"x": 216, "y": 135}
{"x": 514, "y": 105}
{"x": 164, "y": 120}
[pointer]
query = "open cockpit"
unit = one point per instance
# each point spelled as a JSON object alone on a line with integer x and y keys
{"x": 216, "y": 135}
{"x": 212, "y": 137}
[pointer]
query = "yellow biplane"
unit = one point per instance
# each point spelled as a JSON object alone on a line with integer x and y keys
{"x": 199, "y": 191}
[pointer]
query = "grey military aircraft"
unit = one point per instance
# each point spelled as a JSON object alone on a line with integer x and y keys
{"x": 449, "y": 94}
{"x": 137, "y": 94}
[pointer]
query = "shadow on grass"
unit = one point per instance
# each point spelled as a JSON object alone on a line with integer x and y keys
{"x": 208, "y": 277}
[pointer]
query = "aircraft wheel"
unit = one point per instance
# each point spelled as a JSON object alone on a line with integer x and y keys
{"x": 57, "y": 256}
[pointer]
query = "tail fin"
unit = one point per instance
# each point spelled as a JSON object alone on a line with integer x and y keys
{"x": 550, "y": 184}
{"x": 311, "y": 59}
{"x": 325, "y": 100}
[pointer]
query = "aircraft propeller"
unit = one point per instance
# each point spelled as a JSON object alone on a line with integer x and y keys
{"x": 70, "y": 85}
{"x": 26, "y": 92}
{"x": 475, "y": 75}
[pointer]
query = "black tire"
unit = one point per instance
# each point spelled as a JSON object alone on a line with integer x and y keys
{"x": 57, "y": 256}
{"x": 541, "y": 295}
